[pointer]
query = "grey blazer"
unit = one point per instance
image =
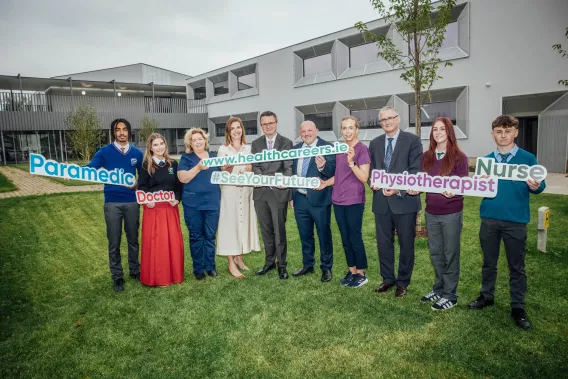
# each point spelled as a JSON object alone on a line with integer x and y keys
{"x": 271, "y": 168}
{"x": 406, "y": 157}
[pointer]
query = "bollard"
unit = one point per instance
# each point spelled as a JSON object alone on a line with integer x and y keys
{"x": 542, "y": 227}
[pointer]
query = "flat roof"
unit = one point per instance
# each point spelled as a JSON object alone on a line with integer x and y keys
{"x": 42, "y": 84}
{"x": 126, "y": 65}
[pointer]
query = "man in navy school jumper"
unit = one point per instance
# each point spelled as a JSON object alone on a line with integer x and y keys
{"x": 120, "y": 201}
{"x": 505, "y": 217}
{"x": 313, "y": 206}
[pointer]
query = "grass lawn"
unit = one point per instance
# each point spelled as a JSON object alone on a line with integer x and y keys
{"x": 61, "y": 318}
{"x": 72, "y": 183}
{"x": 6, "y": 185}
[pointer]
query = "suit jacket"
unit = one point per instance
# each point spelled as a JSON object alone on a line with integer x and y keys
{"x": 270, "y": 168}
{"x": 316, "y": 198}
{"x": 406, "y": 157}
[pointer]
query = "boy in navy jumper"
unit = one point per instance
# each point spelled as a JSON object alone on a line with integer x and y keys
{"x": 505, "y": 217}
{"x": 120, "y": 201}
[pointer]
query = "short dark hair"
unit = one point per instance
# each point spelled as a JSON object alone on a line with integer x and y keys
{"x": 505, "y": 121}
{"x": 125, "y": 122}
{"x": 268, "y": 114}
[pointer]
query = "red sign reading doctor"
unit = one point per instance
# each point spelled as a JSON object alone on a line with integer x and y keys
{"x": 154, "y": 197}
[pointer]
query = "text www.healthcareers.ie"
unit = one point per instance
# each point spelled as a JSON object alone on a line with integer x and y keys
{"x": 275, "y": 155}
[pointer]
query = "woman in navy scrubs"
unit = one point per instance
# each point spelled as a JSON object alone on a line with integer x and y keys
{"x": 201, "y": 202}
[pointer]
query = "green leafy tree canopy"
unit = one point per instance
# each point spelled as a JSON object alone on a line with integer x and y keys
{"x": 86, "y": 131}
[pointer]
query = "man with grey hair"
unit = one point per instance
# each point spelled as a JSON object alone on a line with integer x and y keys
{"x": 313, "y": 207}
{"x": 395, "y": 151}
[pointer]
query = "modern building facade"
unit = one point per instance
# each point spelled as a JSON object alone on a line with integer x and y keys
{"x": 500, "y": 65}
{"x": 33, "y": 110}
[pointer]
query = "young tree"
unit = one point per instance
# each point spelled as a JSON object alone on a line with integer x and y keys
{"x": 86, "y": 131}
{"x": 422, "y": 26}
{"x": 564, "y": 54}
{"x": 147, "y": 126}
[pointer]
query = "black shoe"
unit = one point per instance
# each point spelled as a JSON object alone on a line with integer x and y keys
{"x": 480, "y": 303}
{"x": 135, "y": 276}
{"x": 520, "y": 317}
{"x": 212, "y": 273}
{"x": 384, "y": 287}
{"x": 265, "y": 269}
{"x": 303, "y": 271}
{"x": 200, "y": 276}
{"x": 119, "y": 285}
{"x": 400, "y": 291}
{"x": 282, "y": 273}
{"x": 326, "y": 276}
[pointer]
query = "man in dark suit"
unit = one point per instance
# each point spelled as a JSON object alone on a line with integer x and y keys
{"x": 313, "y": 206}
{"x": 271, "y": 203}
{"x": 395, "y": 151}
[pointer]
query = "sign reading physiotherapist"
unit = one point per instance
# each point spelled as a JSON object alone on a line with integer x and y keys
{"x": 47, "y": 167}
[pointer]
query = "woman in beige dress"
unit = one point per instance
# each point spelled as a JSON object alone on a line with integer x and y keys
{"x": 238, "y": 232}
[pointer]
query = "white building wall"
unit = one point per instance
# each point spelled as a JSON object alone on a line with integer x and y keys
{"x": 510, "y": 48}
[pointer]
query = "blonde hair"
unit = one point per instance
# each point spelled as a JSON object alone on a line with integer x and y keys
{"x": 228, "y": 139}
{"x": 148, "y": 154}
{"x": 189, "y": 134}
{"x": 351, "y": 118}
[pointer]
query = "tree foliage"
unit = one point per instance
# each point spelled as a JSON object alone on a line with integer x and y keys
{"x": 564, "y": 54}
{"x": 147, "y": 126}
{"x": 85, "y": 131}
{"x": 422, "y": 26}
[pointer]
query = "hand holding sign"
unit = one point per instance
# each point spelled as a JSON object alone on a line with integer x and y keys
{"x": 320, "y": 162}
{"x": 533, "y": 184}
{"x": 201, "y": 166}
{"x": 350, "y": 155}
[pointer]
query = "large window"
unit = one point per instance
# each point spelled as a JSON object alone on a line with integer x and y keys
{"x": 324, "y": 121}
{"x": 450, "y": 38}
{"x": 221, "y": 88}
{"x": 220, "y": 129}
{"x": 432, "y": 111}
{"x": 251, "y": 127}
{"x": 317, "y": 65}
{"x": 246, "y": 81}
{"x": 363, "y": 54}
{"x": 199, "y": 93}
{"x": 368, "y": 118}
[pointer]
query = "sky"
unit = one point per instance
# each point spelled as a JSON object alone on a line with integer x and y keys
{"x": 40, "y": 38}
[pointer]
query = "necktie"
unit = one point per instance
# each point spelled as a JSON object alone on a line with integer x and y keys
{"x": 440, "y": 155}
{"x": 305, "y": 165}
{"x": 122, "y": 149}
{"x": 504, "y": 157}
{"x": 388, "y": 154}
{"x": 270, "y": 144}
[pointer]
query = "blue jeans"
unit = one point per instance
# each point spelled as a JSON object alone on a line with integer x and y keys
{"x": 202, "y": 226}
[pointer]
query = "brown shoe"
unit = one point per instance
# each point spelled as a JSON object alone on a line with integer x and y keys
{"x": 239, "y": 276}
{"x": 384, "y": 287}
{"x": 400, "y": 291}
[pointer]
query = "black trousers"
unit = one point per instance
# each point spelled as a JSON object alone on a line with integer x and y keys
{"x": 405, "y": 225}
{"x": 514, "y": 236}
{"x": 114, "y": 214}
{"x": 271, "y": 215}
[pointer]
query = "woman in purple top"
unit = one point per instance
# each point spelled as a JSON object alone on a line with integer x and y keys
{"x": 444, "y": 214}
{"x": 348, "y": 198}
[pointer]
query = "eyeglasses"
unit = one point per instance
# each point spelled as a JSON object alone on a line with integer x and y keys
{"x": 388, "y": 119}
{"x": 268, "y": 124}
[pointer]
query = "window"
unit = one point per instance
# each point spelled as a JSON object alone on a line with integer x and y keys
{"x": 368, "y": 118}
{"x": 221, "y": 88}
{"x": 220, "y": 129}
{"x": 317, "y": 65}
{"x": 246, "y": 82}
{"x": 432, "y": 111}
{"x": 324, "y": 121}
{"x": 251, "y": 127}
{"x": 450, "y": 38}
{"x": 363, "y": 54}
{"x": 199, "y": 93}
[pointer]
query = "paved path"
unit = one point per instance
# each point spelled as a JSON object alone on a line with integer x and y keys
{"x": 29, "y": 184}
{"x": 556, "y": 184}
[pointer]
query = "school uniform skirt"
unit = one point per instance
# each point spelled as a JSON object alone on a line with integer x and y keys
{"x": 161, "y": 263}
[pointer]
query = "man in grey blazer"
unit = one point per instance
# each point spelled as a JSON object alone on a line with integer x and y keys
{"x": 395, "y": 151}
{"x": 271, "y": 203}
